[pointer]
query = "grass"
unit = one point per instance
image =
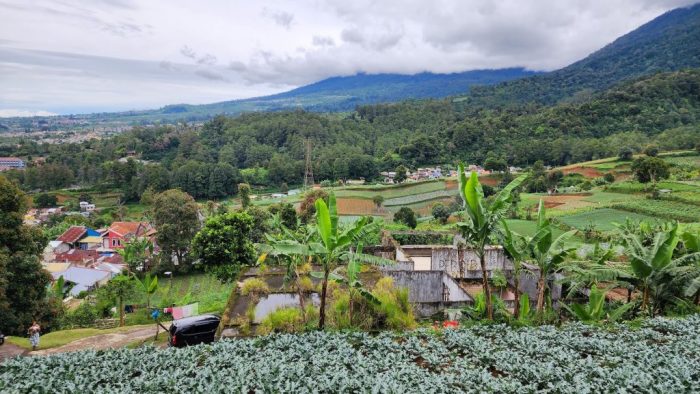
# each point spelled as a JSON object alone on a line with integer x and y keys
{"x": 602, "y": 219}
{"x": 528, "y": 228}
{"x": 666, "y": 209}
{"x": 691, "y": 161}
{"x": 603, "y": 197}
{"x": 185, "y": 289}
{"x": 60, "y": 338}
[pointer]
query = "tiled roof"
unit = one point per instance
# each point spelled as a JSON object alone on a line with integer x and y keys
{"x": 73, "y": 234}
{"x": 124, "y": 228}
{"x": 77, "y": 255}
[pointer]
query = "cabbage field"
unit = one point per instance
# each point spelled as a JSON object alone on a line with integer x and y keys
{"x": 663, "y": 355}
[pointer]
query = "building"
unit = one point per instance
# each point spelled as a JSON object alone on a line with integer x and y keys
{"x": 119, "y": 233}
{"x": 11, "y": 163}
{"x": 75, "y": 234}
{"x": 84, "y": 279}
{"x": 86, "y": 206}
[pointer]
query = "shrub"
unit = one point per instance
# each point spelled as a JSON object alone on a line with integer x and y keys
{"x": 282, "y": 320}
{"x": 82, "y": 316}
{"x": 609, "y": 177}
{"x": 255, "y": 287}
{"x": 406, "y": 216}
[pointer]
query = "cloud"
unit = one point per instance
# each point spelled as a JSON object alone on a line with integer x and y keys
{"x": 13, "y": 112}
{"x": 322, "y": 41}
{"x": 95, "y": 55}
{"x": 281, "y": 18}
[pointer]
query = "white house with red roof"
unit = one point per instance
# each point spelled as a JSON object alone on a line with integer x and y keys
{"x": 119, "y": 233}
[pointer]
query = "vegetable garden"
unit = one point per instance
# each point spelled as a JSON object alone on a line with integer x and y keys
{"x": 660, "y": 356}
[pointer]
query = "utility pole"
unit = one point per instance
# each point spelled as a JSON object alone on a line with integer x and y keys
{"x": 308, "y": 171}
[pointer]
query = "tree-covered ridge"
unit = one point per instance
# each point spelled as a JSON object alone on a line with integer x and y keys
{"x": 268, "y": 148}
{"x": 668, "y": 43}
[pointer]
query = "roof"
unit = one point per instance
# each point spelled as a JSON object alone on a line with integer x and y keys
{"x": 125, "y": 228}
{"x": 55, "y": 244}
{"x": 77, "y": 255}
{"x": 92, "y": 239}
{"x": 113, "y": 268}
{"x": 115, "y": 258}
{"x": 56, "y": 267}
{"x": 82, "y": 277}
{"x": 73, "y": 234}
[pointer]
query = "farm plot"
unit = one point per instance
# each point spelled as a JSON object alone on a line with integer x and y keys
{"x": 416, "y": 198}
{"x": 356, "y": 206}
{"x": 559, "y": 201}
{"x": 602, "y": 219}
{"x": 690, "y": 161}
{"x": 659, "y": 357}
{"x": 529, "y": 228}
{"x": 670, "y": 210}
{"x": 390, "y": 191}
{"x": 422, "y": 208}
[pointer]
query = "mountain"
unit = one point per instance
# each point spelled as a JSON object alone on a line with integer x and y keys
{"x": 329, "y": 95}
{"x": 670, "y": 42}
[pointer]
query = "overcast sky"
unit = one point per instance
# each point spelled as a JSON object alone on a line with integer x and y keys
{"x": 64, "y": 56}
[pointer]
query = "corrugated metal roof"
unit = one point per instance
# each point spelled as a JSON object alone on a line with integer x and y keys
{"x": 72, "y": 235}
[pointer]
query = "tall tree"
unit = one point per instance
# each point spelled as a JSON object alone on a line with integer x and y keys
{"x": 224, "y": 244}
{"x": 23, "y": 281}
{"x": 244, "y": 193}
{"x": 481, "y": 221}
{"x": 120, "y": 288}
{"x": 176, "y": 217}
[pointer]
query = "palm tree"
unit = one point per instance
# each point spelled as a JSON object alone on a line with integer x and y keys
{"x": 335, "y": 246}
{"x": 481, "y": 222}
{"x": 547, "y": 253}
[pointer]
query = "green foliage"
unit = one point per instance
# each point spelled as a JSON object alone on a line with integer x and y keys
{"x": 44, "y": 200}
{"x": 400, "y": 174}
{"x": 224, "y": 244}
{"x": 441, "y": 213}
{"x": 135, "y": 253}
{"x": 244, "y": 194}
{"x": 650, "y": 169}
{"x": 255, "y": 287}
{"x": 406, "y": 216}
{"x": 594, "y": 311}
{"x": 176, "y": 216}
{"x": 120, "y": 289}
{"x": 23, "y": 281}
{"x": 283, "y": 320}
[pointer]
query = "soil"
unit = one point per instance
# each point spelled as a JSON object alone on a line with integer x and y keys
{"x": 103, "y": 341}
{"x": 356, "y": 206}
{"x": 570, "y": 200}
{"x": 9, "y": 350}
{"x": 587, "y": 172}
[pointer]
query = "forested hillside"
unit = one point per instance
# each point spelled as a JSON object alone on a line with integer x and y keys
{"x": 668, "y": 43}
{"x": 268, "y": 148}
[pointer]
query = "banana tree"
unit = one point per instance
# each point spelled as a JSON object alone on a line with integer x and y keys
{"x": 598, "y": 266}
{"x": 594, "y": 311}
{"x": 353, "y": 282}
{"x": 547, "y": 253}
{"x": 149, "y": 285}
{"x": 334, "y": 248}
{"x": 691, "y": 241}
{"x": 515, "y": 247}
{"x": 654, "y": 265}
{"x": 135, "y": 252}
{"x": 481, "y": 220}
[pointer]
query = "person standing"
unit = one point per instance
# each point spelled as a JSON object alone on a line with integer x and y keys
{"x": 34, "y": 331}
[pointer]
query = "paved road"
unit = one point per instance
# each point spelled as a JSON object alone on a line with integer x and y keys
{"x": 103, "y": 341}
{"x": 9, "y": 350}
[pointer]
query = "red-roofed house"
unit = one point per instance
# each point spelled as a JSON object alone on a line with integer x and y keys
{"x": 120, "y": 233}
{"x": 73, "y": 235}
{"x": 77, "y": 256}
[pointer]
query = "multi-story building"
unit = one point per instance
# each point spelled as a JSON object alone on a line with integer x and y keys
{"x": 11, "y": 163}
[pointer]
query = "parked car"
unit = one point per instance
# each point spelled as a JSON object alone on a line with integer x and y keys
{"x": 193, "y": 330}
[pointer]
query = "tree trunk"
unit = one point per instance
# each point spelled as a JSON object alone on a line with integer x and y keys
{"x": 645, "y": 298}
{"x": 324, "y": 288}
{"x": 121, "y": 312}
{"x": 301, "y": 299}
{"x": 516, "y": 283}
{"x": 485, "y": 285}
{"x": 540, "y": 292}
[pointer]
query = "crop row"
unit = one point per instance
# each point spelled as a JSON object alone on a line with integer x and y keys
{"x": 661, "y": 356}
{"x": 665, "y": 209}
{"x": 416, "y": 198}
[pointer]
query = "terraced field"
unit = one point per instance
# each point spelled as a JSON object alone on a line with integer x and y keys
{"x": 602, "y": 219}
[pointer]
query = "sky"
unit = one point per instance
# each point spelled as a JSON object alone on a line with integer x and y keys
{"x": 65, "y": 56}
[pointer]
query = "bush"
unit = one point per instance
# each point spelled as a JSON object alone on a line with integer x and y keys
{"x": 255, "y": 287}
{"x": 282, "y": 320}
{"x": 82, "y": 316}
{"x": 651, "y": 150}
{"x": 609, "y": 177}
{"x": 440, "y": 213}
{"x": 406, "y": 216}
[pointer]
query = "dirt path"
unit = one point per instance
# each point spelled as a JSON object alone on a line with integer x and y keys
{"x": 9, "y": 350}
{"x": 103, "y": 341}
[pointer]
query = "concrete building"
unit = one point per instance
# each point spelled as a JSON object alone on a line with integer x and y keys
{"x": 11, "y": 163}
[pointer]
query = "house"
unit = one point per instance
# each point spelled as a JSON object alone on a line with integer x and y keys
{"x": 119, "y": 233}
{"x": 77, "y": 257}
{"x": 11, "y": 163}
{"x": 86, "y": 206}
{"x": 75, "y": 234}
{"x": 90, "y": 242}
{"x": 84, "y": 279}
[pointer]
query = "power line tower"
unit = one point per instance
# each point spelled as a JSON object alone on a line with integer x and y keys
{"x": 308, "y": 171}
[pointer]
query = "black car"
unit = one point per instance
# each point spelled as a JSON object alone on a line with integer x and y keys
{"x": 193, "y": 330}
